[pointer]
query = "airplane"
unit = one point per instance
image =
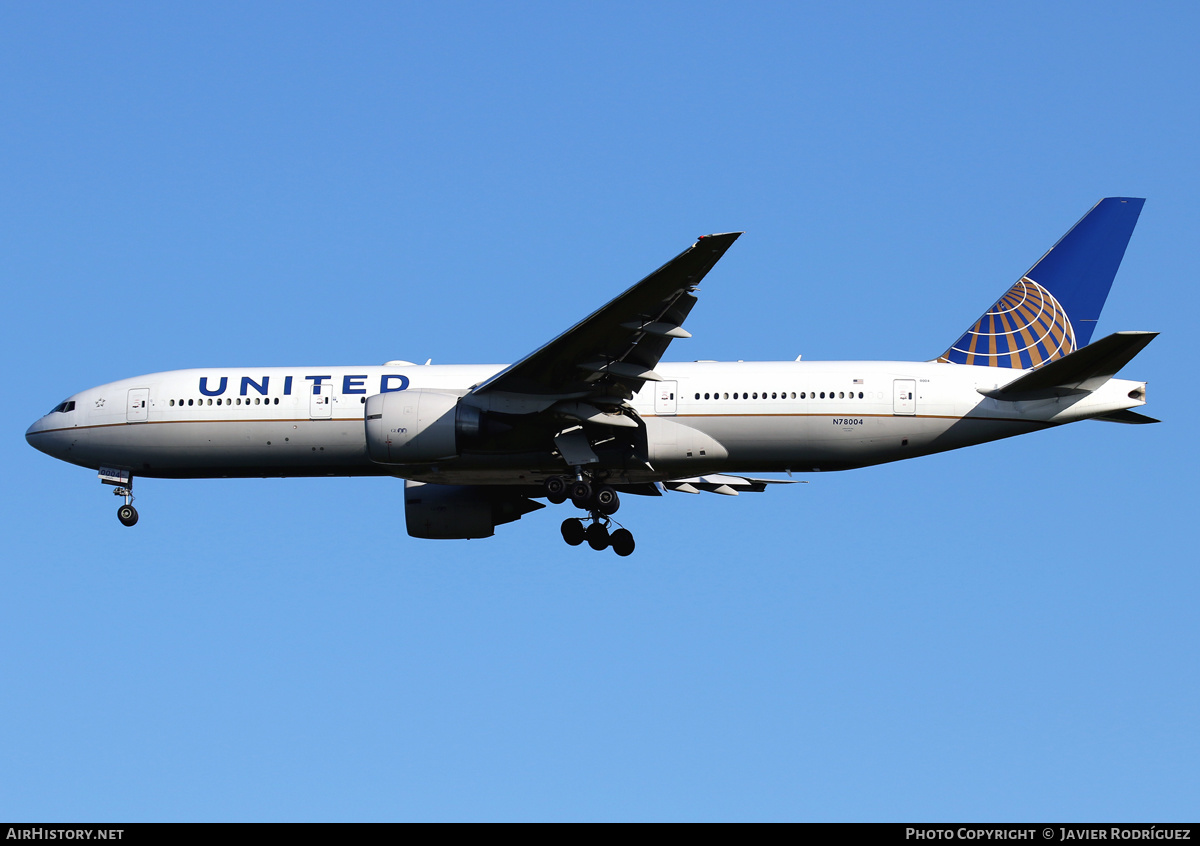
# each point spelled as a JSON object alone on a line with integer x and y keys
{"x": 595, "y": 414}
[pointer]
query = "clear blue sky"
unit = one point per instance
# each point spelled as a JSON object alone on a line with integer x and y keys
{"x": 1007, "y": 632}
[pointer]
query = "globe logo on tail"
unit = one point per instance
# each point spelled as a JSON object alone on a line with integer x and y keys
{"x": 1026, "y": 328}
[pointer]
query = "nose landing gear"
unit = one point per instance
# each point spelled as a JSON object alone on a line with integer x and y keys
{"x": 126, "y": 513}
{"x": 122, "y": 481}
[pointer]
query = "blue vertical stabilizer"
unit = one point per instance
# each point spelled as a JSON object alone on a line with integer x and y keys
{"x": 1052, "y": 310}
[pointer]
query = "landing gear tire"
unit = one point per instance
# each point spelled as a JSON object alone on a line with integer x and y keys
{"x": 556, "y": 490}
{"x": 621, "y": 542}
{"x": 127, "y": 514}
{"x": 573, "y": 531}
{"x": 597, "y": 536}
{"x": 581, "y": 492}
{"x": 607, "y": 501}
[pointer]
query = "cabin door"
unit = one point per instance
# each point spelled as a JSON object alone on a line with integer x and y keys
{"x": 320, "y": 404}
{"x": 904, "y": 396}
{"x": 137, "y": 407}
{"x": 664, "y": 397}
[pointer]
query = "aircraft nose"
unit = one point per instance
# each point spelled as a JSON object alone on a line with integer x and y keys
{"x": 37, "y": 440}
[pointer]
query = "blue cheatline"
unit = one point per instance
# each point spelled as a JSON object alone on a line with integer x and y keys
{"x": 1052, "y": 310}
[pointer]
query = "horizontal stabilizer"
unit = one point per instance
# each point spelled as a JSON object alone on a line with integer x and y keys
{"x": 1127, "y": 416}
{"x": 1079, "y": 372}
{"x": 719, "y": 483}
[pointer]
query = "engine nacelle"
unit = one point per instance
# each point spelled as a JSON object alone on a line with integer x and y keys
{"x": 458, "y": 512}
{"x": 416, "y": 427}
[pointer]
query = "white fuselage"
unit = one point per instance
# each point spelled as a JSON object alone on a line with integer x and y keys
{"x": 703, "y": 417}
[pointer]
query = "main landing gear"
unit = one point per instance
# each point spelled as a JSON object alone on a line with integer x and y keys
{"x": 601, "y": 502}
{"x": 127, "y": 514}
{"x": 597, "y": 535}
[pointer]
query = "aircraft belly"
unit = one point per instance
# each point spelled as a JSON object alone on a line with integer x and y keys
{"x": 794, "y": 441}
{"x": 832, "y": 442}
{"x": 216, "y": 446}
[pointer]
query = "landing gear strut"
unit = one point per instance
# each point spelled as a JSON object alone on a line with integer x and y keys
{"x": 601, "y": 502}
{"x": 126, "y": 513}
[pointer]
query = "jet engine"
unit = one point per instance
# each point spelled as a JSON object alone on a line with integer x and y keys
{"x": 446, "y": 512}
{"x": 416, "y": 427}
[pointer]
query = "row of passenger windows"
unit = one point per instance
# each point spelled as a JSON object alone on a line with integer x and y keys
{"x": 784, "y": 395}
{"x": 238, "y": 401}
{"x": 227, "y": 401}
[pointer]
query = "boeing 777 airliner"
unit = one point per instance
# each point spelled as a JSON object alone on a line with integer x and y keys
{"x": 593, "y": 414}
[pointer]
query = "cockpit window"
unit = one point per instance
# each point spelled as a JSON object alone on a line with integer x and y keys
{"x": 69, "y": 405}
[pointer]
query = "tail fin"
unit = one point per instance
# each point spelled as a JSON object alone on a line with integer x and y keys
{"x": 1052, "y": 310}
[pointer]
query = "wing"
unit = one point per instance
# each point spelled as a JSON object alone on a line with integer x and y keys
{"x": 609, "y": 355}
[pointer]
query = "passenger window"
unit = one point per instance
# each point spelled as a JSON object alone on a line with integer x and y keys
{"x": 697, "y": 396}
{"x": 860, "y": 396}
{"x": 190, "y": 402}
